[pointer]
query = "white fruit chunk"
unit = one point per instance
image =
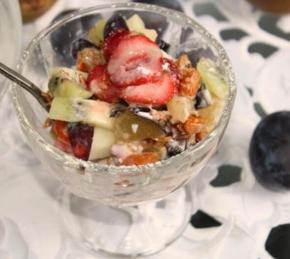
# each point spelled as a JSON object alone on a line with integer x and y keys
{"x": 136, "y": 24}
{"x": 103, "y": 140}
{"x": 93, "y": 112}
{"x": 180, "y": 108}
{"x": 70, "y": 74}
{"x": 212, "y": 78}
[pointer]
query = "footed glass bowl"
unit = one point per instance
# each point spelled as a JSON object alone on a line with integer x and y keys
{"x": 131, "y": 225}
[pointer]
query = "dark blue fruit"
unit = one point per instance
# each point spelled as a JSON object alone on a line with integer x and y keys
{"x": 175, "y": 147}
{"x": 200, "y": 100}
{"x": 79, "y": 44}
{"x": 116, "y": 22}
{"x": 62, "y": 38}
{"x": 270, "y": 151}
{"x": 81, "y": 137}
{"x": 163, "y": 45}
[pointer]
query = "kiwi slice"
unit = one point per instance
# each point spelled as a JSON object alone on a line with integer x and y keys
{"x": 64, "y": 109}
{"x": 93, "y": 112}
{"x": 60, "y": 87}
{"x": 212, "y": 78}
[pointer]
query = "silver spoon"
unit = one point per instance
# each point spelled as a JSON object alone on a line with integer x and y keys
{"x": 20, "y": 80}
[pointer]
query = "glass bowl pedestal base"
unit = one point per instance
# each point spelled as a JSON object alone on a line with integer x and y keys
{"x": 133, "y": 231}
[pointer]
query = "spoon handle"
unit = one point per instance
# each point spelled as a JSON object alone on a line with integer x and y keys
{"x": 41, "y": 97}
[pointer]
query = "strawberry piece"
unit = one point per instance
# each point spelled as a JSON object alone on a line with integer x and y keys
{"x": 136, "y": 60}
{"x": 65, "y": 147}
{"x": 155, "y": 93}
{"x": 99, "y": 84}
{"x": 112, "y": 41}
{"x": 171, "y": 67}
{"x": 59, "y": 128}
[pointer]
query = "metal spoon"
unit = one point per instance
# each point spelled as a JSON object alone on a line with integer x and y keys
{"x": 20, "y": 80}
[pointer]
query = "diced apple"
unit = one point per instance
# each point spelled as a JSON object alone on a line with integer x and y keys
{"x": 103, "y": 140}
{"x": 180, "y": 108}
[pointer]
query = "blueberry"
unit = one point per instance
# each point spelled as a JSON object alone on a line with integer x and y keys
{"x": 62, "y": 38}
{"x": 81, "y": 137}
{"x": 163, "y": 45}
{"x": 270, "y": 151}
{"x": 175, "y": 147}
{"x": 201, "y": 99}
{"x": 116, "y": 22}
{"x": 79, "y": 44}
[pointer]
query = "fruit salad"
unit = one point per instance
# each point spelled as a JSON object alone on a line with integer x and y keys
{"x": 128, "y": 102}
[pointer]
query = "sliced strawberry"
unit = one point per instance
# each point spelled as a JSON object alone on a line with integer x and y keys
{"x": 99, "y": 84}
{"x": 65, "y": 147}
{"x": 112, "y": 41}
{"x": 155, "y": 93}
{"x": 170, "y": 66}
{"x": 60, "y": 130}
{"x": 136, "y": 60}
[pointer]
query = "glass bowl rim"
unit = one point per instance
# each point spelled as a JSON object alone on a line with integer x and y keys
{"x": 74, "y": 162}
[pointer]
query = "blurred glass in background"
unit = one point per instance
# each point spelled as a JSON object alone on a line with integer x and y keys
{"x": 31, "y": 9}
{"x": 10, "y": 40}
{"x": 274, "y": 6}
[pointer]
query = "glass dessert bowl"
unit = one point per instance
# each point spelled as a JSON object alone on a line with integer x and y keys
{"x": 142, "y": 223}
